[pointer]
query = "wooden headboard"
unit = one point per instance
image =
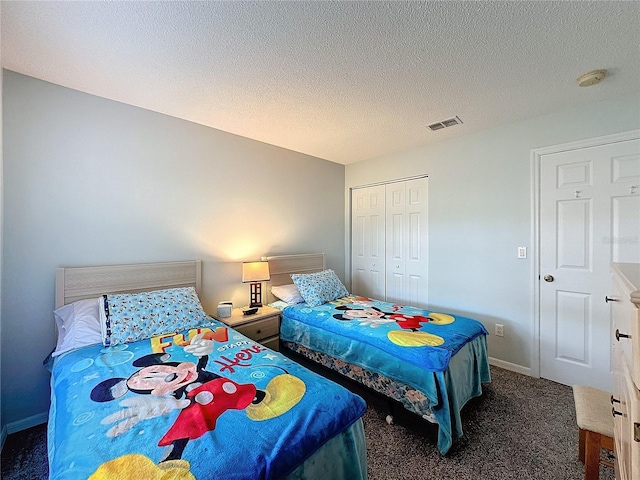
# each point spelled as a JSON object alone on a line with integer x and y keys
{"x": 282, "y": 266}
{"x": 77, "y": 283}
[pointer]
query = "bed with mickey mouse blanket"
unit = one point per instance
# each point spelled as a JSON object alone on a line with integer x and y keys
{"x": 200, "y": 401}
{"x": 431, "y": 362}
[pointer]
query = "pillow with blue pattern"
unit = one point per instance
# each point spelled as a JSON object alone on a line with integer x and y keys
{"x": 318, "y": 288}
{"x": 127, "y": 317}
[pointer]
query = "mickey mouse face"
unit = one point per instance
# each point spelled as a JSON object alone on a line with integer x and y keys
{"x": 353, "y": 313}
{"x": 163, "y": 379}
{"x": 366, "y": 313}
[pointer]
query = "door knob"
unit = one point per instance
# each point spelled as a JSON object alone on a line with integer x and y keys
{"x": 548, "y": 278}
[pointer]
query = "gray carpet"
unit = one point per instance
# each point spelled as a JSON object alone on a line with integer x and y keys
{"x": 521, "y": 428}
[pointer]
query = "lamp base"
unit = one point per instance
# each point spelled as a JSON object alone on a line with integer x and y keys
{"x": 256, "y": 294}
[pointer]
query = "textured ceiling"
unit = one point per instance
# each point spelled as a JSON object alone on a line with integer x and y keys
{"x": 340, "y": 80}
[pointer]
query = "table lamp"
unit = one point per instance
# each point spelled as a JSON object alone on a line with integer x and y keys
{"x": 255, "y": 273}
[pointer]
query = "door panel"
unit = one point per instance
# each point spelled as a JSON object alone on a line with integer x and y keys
{"x": 407, "y": 242}
{"x": 573, "y": 227}
{"x": 368, "y": 241}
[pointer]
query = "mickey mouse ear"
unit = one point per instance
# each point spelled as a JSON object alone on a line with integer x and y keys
{"x": 109, "y": 389}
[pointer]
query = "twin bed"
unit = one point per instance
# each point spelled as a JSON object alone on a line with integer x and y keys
{"x": 146, "y": 385}
{"x": 431, "y": 363}
{"x": 197, "y": 401}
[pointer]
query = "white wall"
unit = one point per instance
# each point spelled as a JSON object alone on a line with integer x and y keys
{"x": 480, "y": 212}
{"x": 92, "y": 181}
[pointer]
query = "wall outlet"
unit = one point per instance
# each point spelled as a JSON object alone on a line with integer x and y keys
{"x": 499, "y": 330}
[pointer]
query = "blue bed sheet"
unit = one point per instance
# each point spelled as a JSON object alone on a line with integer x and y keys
{"x": 205, "y": 403}
{"x": 443, "y": 356}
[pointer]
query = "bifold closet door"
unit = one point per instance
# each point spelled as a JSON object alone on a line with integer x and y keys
{"x": 407, "y": 242}
{"x": 368, "y": 241}
{"x": 389, "y": 241}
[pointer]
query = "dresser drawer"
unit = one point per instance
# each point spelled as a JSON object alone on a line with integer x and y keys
{"x": 261, "y": 329}
{"x": 626, "y": 327}
{"x": 627, "y": 436}
{"x": 272, "y": 343}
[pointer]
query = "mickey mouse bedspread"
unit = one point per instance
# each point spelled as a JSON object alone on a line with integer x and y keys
{"x": 404, "y": 343}
{"x": 202, "y": 404}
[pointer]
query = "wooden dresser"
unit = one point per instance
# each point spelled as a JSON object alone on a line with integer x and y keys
{"x": 625, "y": 316}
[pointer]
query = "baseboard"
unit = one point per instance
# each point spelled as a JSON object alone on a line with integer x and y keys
{"x": 28, "y": 422}
{"x": 513, "y": 367}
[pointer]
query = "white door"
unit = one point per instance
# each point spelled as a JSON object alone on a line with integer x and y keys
{"x": 407, "y": 242}
{"x": 589, "y": 217}
{"x": 368, "y": 242}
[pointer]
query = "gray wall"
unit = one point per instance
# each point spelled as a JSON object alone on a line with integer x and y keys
{"x": 91, "y": 181}
{"x": 480, "y": 212}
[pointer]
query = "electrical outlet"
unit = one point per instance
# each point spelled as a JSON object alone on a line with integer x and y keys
{"x": 499, "y": 330}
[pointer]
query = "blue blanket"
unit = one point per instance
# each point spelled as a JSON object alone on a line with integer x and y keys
{"x": 205, "y": 403}
{"x": 406, "y": 344}
{"x": 416, "y": 336}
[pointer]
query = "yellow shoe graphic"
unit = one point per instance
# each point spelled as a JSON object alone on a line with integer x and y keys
{"x": 282, "y": 393}
{"x": 136, "y": 467}
{"x": 414, "y": 339}
{"x": 441, "y": 318}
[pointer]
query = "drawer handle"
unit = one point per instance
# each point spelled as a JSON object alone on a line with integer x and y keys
{"x": 614, "y": 400}
{"x": 609, "y": 299}
{"x": 636, "y": 432}
{"x": 621, "y": 335}
{"x": 614, "y": 412}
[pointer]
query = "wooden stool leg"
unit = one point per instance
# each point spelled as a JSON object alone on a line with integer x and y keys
{"x": 581, "y": 446}
{"x": 592, "y": 456}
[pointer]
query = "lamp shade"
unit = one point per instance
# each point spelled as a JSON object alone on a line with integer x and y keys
{"x": 255, "y": 272}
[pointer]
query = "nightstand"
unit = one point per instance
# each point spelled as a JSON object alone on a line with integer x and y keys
{"x": 263, "y": 327}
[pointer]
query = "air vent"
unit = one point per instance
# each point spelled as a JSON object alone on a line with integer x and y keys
{"x": 450, "y": 122}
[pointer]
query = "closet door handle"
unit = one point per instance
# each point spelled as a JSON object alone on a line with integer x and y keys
{"x": 614, "y": 412}
{"x": 614, "y": 400}
{"x": 609, "y": 299}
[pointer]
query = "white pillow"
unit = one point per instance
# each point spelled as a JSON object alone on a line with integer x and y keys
{"x": 287, "y": 293}
{"x": 78, "y": 325}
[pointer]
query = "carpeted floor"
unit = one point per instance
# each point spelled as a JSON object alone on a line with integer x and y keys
{"x": 521, "y": 428}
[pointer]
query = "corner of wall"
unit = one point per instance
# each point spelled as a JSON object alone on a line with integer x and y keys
{"x": 3, "y": 430}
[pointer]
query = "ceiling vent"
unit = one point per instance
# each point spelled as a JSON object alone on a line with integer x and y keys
{"x": 450, "y": 122}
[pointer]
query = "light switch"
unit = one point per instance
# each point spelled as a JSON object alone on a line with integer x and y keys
{"x": 522, "y": 252}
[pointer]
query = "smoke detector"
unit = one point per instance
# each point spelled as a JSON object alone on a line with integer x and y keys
{"x": 591, "y": 78}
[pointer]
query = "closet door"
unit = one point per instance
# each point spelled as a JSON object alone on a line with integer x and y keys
{"x": 368, "y": 241}
{"x": 407, "y": 242}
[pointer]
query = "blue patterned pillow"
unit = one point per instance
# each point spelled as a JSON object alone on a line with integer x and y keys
{"x": 127, "y": 317}
{"x": 318, "y": 288}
